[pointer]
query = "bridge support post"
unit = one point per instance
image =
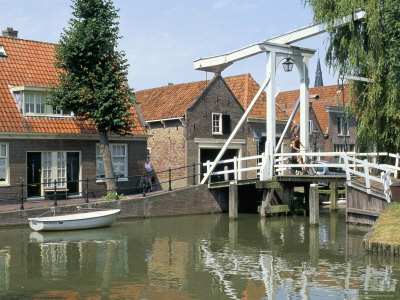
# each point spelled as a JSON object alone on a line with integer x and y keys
{"x": 233, "y": 201}
{"x": 307, "y": 194}
{"x": 288, "y": 193}
{"x": 333, "y": 198}
{"x": 314, "y": 204}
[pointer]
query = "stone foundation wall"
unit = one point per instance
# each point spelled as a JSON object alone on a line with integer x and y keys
{"x": 185, "y": 201}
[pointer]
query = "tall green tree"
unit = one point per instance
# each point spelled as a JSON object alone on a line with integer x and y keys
{"x": 92, "y": 74}
{"x": 371, "y": 49}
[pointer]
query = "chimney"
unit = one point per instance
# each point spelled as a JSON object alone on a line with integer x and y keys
{"x": 170, "y": 83}
{"x": 10, "y": 32}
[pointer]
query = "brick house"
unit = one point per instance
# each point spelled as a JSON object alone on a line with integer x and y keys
{"x": 190, "y": 122}
{"x": 335, "y": 132}
{"x": 40, "y": 145}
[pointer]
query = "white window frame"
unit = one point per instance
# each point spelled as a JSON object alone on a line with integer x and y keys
{"x": 57, "y": 169}
{"x": 343, "y": 126}
{"x": 38, "y": 97}
{"x": 99, "y": 160}
{"x": 310, "y": 127}
{"x": 5, "y": 157}
{"x": 216, "y": 128}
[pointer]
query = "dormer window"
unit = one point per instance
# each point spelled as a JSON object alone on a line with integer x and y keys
{"x": 2, "y": 51}
{"x": 31, "y": 102}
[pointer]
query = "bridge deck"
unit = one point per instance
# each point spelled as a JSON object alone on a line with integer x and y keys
{"x": 277, "y": 180}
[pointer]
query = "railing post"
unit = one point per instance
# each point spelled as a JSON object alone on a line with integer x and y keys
{"x": 235, "y": 168}
{"x": 169, "y": 180}
{"x": 346, "y": 167}
{"x": 397, "y": 165}
{"x": 366, "y": 174}
{"x": 22, "y": 196}
{"x": 55, "y": 192}
{"x": 116, "y": 188}
{"x": 208, "y": 168}
{"x": 87, "y": 191}
{"x": 194, "y": 174}
{"x": 226, "y": 175}
{"x": 144, "y": 185}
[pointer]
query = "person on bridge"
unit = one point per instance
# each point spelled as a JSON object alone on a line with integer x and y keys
{"x": 296, "y": 144}
{"x": 150, "y": 173}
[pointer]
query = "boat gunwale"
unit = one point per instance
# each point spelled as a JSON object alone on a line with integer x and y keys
{"x": 63, "y": 219}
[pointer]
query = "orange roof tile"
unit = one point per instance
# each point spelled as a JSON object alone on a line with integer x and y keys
{"x": 31, "y": 63}
{"x": 327, "y": 96}
{"x": 171, "y": 101}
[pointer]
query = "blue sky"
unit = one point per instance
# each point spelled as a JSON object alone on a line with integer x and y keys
{"x": 161, "y": 38}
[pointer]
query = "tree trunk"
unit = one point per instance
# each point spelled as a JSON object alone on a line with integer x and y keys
{"x": 107, "y": 161}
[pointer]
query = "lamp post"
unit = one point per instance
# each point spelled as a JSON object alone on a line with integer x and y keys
{"x": 287, "y": 65}
{"x": 315, "y": 136}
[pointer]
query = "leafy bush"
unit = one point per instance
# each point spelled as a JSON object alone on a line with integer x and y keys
{"x": 111, "y": 196}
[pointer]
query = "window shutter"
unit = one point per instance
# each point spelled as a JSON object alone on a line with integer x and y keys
{"x": 226, "y": 124}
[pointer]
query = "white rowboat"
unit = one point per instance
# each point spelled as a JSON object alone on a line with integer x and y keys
{"x": 85, "y": 220}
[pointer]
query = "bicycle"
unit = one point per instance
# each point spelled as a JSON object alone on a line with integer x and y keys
{"x": 307, "y": 170}
{"x": 143, "y": 180}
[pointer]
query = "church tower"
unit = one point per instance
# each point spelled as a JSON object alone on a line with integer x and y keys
{"x": 318, "y": 75}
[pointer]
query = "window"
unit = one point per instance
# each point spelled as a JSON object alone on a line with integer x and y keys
{"x": 216, "y": 123}
{"x": 31, "y": 101}
{"x": 34, "y": 104}
{"x": 343, "y": 126}
{"x": 338, "y": 148}
{"x": 54, "y": 167}
{"x": 4, "y": 164}
{"x": 119, "y": 156}
{"x": 310, "y": 127}
{"x": 2, "y": 51}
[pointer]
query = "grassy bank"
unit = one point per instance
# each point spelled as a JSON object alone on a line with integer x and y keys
{"x": 384, "y": 236}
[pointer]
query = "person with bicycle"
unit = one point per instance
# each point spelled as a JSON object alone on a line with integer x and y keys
{"x": 296, "y": 144}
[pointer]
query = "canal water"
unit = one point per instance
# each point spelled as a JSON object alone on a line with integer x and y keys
{"x": 198, "y": 257}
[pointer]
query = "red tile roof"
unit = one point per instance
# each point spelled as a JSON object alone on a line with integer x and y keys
{"x": 171, "y": 101}
{"x": 327, "y": 96}
{"x": 30, "y": 63}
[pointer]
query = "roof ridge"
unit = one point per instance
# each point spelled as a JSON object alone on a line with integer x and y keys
{"x": 27, "y": 40}
{"x": 246, "y": 90}
{"x": 190, "y": 82}
{"x": 312, "y": 88}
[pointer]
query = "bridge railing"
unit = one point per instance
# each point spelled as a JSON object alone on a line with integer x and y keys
{"x": 239, "y": 167}
{"x": 283, "y": 161}
{"x": 367, "y": 171}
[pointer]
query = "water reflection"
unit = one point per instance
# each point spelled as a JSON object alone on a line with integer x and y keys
{"x": 197, "y": 257}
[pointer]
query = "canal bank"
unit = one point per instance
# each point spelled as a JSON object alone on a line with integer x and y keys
{"x": 383, "y": 237}
{"x": 184, "y": 201}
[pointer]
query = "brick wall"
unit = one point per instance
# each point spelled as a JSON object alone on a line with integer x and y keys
{"x": 18, "y": 149}
{"x": 185, "y": 201}
{"x": 217, "y": 98}
{"x": 335, "y": 138}
{"x": 167, "y": 146}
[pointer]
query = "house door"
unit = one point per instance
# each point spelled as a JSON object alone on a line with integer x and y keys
{"x": 34, "y": 178}
{"x": 73, "y": 173}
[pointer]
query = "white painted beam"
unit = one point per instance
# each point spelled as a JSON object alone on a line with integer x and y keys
{"x": 314, "y": 29}
{"x": 289, "y": 121}
{"x": 357, "y": 78}
{"x": 237, "y": 127}
{"x": 219, "y": 63}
